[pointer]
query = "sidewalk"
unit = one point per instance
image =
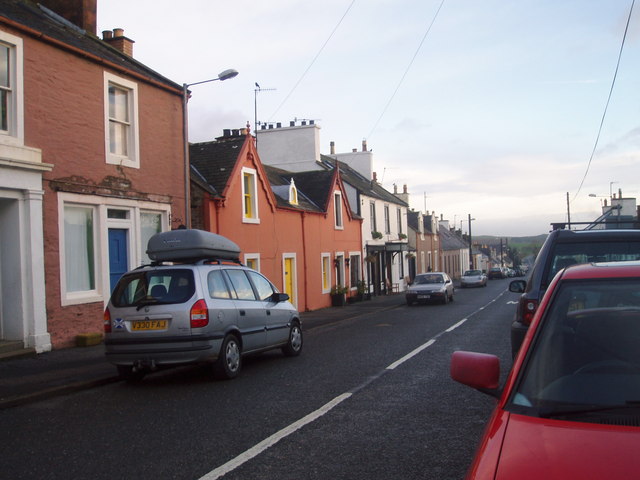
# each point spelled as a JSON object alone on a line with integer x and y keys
{"x": 28, "y": 379}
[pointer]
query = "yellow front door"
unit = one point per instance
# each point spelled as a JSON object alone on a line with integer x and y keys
{"x": 289, "y": 280}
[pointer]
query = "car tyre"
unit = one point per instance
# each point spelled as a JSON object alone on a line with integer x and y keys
{"x": 229, "y": 361}
{"x": 294, "y": 344}
{"x": 129, "y": 374}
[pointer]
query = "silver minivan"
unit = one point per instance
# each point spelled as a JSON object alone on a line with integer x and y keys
{"x": 198, "y": 310}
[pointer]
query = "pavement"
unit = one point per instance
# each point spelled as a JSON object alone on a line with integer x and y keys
{"x": 35, "y": 377}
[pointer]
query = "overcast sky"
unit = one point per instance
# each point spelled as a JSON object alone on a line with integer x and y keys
{"x": 490, "y": 108}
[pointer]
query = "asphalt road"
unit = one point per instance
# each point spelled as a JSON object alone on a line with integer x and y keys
{"x": 369, "y": 398}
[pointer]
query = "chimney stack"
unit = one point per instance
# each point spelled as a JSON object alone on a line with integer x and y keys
{"x": 79, "y": 12}
{"x": 119, "y": 41}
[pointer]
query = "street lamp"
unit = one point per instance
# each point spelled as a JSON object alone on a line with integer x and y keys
{"x": 470, "y": 247}
{"x": 226, "y": 75}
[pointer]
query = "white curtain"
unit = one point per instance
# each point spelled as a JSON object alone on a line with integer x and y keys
{"x": 78, "y": 249}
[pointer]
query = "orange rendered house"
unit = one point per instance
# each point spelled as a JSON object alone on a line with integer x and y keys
{"x": 294, "y": 227}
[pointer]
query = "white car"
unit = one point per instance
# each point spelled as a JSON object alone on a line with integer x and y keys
{"x": 430, "y": 287}
{"x": 473, "y": 278}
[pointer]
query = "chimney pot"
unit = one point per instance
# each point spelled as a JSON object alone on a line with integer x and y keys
{"x": 278, "y": 125}
{"x": 404, "y": 188}
{"x": 118, "y": 32}
{"x": 292, "y": 123}
{"x": 332, "y": 147}
{"x": 375, "y": 177}
{"x": 364, "y": 145}
{"x": 312, "y": 122}
{"x": 107, "y": 34}
{"x": 226, "y": 132}
{"x": 303, "y": 123}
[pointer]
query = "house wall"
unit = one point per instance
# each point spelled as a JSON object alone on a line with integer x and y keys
{"x": 65, "y": 118}
{"x": 284, "y": 233}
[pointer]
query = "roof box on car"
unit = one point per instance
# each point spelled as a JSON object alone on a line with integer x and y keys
{"x": 190, "y": 245}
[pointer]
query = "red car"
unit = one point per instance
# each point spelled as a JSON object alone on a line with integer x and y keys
{"x": 570, "y": 408}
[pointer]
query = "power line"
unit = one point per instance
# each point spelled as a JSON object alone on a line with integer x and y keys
{"x": 606, "y": 107}
{"x": 424, "y": 37}
{"x": 314, "y": 59}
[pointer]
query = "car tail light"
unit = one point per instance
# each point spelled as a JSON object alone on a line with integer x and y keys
{"x": 199, "y": 314}
{"x": 529, "y": 308}
{"x": 106, "y": 320}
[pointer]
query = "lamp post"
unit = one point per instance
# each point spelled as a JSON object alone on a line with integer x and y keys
{"x": 226, "y": 75}
{"x": 470, "y": 244}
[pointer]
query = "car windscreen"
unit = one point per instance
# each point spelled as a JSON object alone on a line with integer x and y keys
{"x": 424, "y": 279}
{"x": 154, "y": 287}
{"x": 584, "y": 362}
{"x": 565, "y": 254}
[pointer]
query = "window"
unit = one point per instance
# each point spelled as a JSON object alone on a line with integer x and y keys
{"x": 263, "y": 286}
{"x": 399, "y": 218}
{"x": 150, "y": 224}
{"x": 252, "y": 260}
{"x": 387, "y": 220}
{"x": 339, "y": 266}
{"x": 249, "y": 196}
{"x": 86, "y": 225}
{"x": 293, "y": 193}
{"x": 337, "y": 206}
{"x": 241, "y": 285}
{"x": 217, "y": 285}
{"x": 80, "y": 270}
{"x": 372, "y": 215}
{"x": 326, "y": 273}
{"x": 121, "y": 112}
{"x": 11, "y": 97}
{"x": 354, "y": 266}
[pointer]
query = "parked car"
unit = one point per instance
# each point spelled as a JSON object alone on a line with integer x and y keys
{"x": 473, "y": 278}
{"x": 563, "y": 248}
{"x": 202, "y": 306}
{"x": 497, "y": 272}
{"x": 430, "y": 287}
{"x": 569, "y": 408}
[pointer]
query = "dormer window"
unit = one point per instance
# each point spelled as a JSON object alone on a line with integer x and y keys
{"x": 293, "y": 193}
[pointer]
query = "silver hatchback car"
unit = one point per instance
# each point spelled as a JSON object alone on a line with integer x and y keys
{"x": 198, "y": 310}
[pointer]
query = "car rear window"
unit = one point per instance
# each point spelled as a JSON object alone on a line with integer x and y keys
{"x": 566, "y": 254}
{"x": 153, "y": 287}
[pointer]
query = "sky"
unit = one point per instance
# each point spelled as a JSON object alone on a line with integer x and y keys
{"x": 485, "y": 108}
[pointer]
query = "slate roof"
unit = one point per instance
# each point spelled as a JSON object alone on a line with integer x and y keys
{"x": 450, "y": 241}
{"x": 29, "y": 14}
{"x": 214, "y": 161}
{"x": 360, "y": 183}
{"x": 313, "y": 188}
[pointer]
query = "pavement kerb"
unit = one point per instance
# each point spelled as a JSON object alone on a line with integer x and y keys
{"x": 52, "y": 392}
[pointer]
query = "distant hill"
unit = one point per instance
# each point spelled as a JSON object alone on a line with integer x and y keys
{"x": 491, "y": 240}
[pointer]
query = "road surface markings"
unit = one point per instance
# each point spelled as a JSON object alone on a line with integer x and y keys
{"x": 326, "y": 408}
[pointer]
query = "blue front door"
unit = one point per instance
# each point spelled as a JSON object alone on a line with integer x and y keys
{"x": 118, "y": 257}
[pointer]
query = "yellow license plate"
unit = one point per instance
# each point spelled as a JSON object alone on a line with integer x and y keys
{"x": 138, "y": 325}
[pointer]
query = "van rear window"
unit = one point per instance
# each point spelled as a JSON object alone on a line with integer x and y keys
{"x": 154, "y": 287}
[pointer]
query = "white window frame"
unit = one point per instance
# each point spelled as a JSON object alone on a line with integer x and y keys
{"x": 101, "y": 225}
{"x": 293, "y": 193}
{"x": 387, "y": 219}
{"x": 253, "y": 256}
{"x": 339, "y": 269}
{"x": 255, "y": 218}
{"x": 132, "y": 159}
{"x": 14, "y": 135}
{"x": 358, "y": 256}
{"x": 337, "y": 210}
{"x": 325, "y": 269}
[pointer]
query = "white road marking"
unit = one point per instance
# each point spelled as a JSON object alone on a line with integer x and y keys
{"x": 273, "y": 439}
{"x": 313, "y": 416}
{"x": 411, "y": 354}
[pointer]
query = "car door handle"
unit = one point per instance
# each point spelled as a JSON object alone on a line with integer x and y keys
{"x": 268, "y": 312}
{"x": 242, "y": 313}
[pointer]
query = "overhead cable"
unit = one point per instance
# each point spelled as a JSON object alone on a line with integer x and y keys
{"x": 606, "y": 107}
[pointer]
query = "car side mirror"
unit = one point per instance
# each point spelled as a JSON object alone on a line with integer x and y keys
{"x": 476, "y": 370}
{"x": 518, "y": 286}
{"x": 278, "y": 297}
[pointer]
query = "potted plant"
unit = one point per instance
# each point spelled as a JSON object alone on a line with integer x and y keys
{"x": 402, "y": 236}
{"x": 376, "y": 235}
{"x": 338, "y": 295}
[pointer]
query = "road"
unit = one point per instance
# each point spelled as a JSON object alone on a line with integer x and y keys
{"x": 369, "y": 398}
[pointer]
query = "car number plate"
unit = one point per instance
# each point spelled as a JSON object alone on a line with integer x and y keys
{"x": 424, "y": 296}
{"x": 138, "y": 325}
